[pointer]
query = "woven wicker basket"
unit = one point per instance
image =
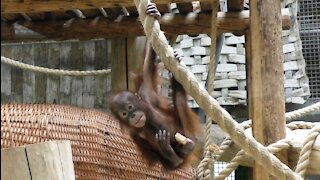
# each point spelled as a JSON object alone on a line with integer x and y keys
{"x": 100, "y": 150}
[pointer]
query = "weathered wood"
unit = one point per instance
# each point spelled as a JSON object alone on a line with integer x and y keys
{"x": 16, "y": 76}
{"x": 88, "y": 81}
{"x": 40, "y": 59}
{"x": 53, "y": 82}
{"x": 136, "y": 52}
{"x": 76, "y": 82}
{"x": 265, "y": 77}
{"x": 49, "y": 160}
{"x": 192, "y": 23}
{"x": 104, "y": 55}
{"x": 28, "y": 77}
{"x": 235, "y": 5}
{"x": 8, "y": 6}
{"x": 119, "y": 73}
{"x": 45, "y": 160}
{"x": 297, "y": 138}
{"x": 14, "y": 164}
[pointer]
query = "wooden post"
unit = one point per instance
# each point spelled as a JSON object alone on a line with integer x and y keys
{"x": 49, "y": 160}
{"x": 266, "y": 98}
{"x": 119, "y": 76}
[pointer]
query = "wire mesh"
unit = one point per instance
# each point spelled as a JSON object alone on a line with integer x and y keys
{"x": 309, "y": 19}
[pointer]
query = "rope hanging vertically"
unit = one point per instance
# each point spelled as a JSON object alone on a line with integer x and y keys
{"x": 205, "y": 169}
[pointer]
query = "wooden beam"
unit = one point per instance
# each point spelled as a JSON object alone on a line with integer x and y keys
{"x": 192, "y": 23}
{"x": 266, "y": 99}
{"x": 235, "y": 5}
{"x": 9, "y": 6}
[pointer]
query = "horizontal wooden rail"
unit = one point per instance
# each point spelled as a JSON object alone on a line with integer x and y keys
{"x": 172, "y": 24}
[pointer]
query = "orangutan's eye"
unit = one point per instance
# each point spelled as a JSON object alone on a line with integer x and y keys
{"x": 130, "y": 107}
{"x": 124, "y": 114}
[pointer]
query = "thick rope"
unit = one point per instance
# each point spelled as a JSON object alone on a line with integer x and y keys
{"x": 302, "y": 112}
{"x": 278, "y": 146}
{"x": 56, "y": 72}
{"x": 304, "y": 157}
{"x": 289, "y": 116}
{"x": 211, "y": 107}
{"x": 205, "y": 168}
{"x": 234, "y": 163}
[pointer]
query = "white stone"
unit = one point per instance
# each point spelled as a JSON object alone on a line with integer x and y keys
{"x": 291, "y": 83}
{"x": 197, "y": 51}
{"x": 298, "y": 92}
{"x": 226, "y": 67}
{"x": 205, "y": 41}
{"x": 234, "y": 40}
{"x": 188, "y": 60}
{"x": 227, "y": 101}
{"x": 206, "y": 60}
{"x": 197, "y": 60}
{"x": 288, "y": 48}
{"x": 237, "y": 58}
{"x": 291, "y": 65}
{"x": 298, "y": 100}
{"x": 228, "y": 50}
{"x": 186, "y": 43}
{"x": 237, "y": 75}
{"x": 199, "y": 69}
{"x": 225, "y": 83}
{"x": 238, "y": 94}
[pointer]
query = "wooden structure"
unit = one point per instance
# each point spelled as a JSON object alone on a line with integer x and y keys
{"x": 46, "y": 160}
{"x": 62, "y": 20}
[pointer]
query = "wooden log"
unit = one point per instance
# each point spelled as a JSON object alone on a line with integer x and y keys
{"x": 8, "y": 6}
{"x": 297, "y": 138}
{"x": 49, "y": 160}
{"x": 265, "y": 77}
{"x": 84, "y": 29}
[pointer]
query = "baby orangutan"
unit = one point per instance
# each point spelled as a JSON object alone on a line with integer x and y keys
{"x": 152, "y": 122}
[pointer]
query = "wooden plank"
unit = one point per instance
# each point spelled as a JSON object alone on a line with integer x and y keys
{"x": 184, "y": 8}
{"x": 40, "y": 59}
{"x": 65, "y": 81}
{"x": 28, "y": 84}
{"x": 16, "y": 76}
{"x": 45, "y": 160}
{"x": 136, "y": 52}
{"x": 14, "y": 164}
{"x": 88, "y": 81}
{"x": 65, "y": 153}
{"x": 8, "y": 6}
{"x": 193, "y": 23}
{"x": 119, "y": 73}
{"x": 5, "y": 75}
{"x": 76, "y": 64}
{"x": 235, "y": 5}
{"x": 53, "y": 82}
{"x": 103, "y": 56}
{"x": 7, "y": 30}
{"x": 265, "y": 77}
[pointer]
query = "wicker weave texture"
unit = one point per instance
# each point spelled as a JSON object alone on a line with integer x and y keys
{"x": 100, "y": 149}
